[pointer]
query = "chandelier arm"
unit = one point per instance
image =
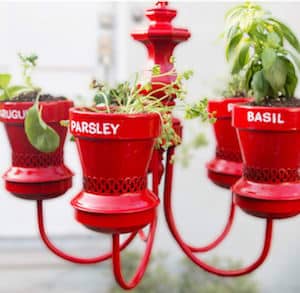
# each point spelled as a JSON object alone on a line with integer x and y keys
{"x": 155, "y": 189}
{"x": 187, "y": 250}
{"x": 221, "y": 237}
{"x": 143, "y": 263}
{"x": 68, "y": 257}
{"x": 143, "y": 236}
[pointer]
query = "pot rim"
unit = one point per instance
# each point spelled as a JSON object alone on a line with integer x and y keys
{"x": 78, "y": 111}
{"x": 102, "y": 125}
{"x": 221, "y": 106}
{"x": 53, "y": 111}
{"x": 272, "y": 118}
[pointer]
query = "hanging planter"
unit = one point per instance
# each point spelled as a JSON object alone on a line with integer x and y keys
{"x": 226, "y": 168}
{"x": 268, "y": 128}
{"x": 34, "y": 174}
{"x": 32, "y": 124}
{"x": 270, "y": 140}
{"x": 115, "y": 151}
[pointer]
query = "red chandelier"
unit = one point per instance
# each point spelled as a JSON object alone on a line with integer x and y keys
{"x": 117, "y": 199}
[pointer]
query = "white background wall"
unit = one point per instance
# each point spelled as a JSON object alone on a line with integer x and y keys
{"x": 65, "y": 36}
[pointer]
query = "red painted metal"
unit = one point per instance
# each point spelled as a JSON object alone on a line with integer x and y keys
{"x": 160, "y": 39}
{"x": 117, "y": 150}
{"x": 143, "y": 264}
{"x": 269, "y": 138}
{"x": 226, "y": 168}
{"x": 219, "y": 239}
{"x": 188, "y": 252}
{"x": 68, "y": 257}
{"x": 35, "y": 175}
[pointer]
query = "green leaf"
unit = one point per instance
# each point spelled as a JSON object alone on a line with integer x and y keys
{"x": 274, "y": 39}
{"x": 268, "y": 57}
{"x": 14, "y": 90}
{"x": 248, "y": 77}
{"x": 40, "y": 135}
{"x": 288, "y": 34}
{"x": 291, "y": 79}
{"x": 276, "y": 74}
{"x": 260, "y": 85}
{"x": 232, "y": 45}
{"x": 4, "y": 80}
{"x": 241, "y": 58}
{"x": 156, "y": 69}
{"x": 3, "y": 97}
{"x": 295, "y": 59}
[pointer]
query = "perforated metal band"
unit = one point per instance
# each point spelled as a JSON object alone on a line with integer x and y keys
{"x": 271, "y": 174}
{"x": 37, "y": 160}
{"x": 114, "y": 185}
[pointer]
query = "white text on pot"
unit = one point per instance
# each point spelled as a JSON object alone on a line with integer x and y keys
{"x": 265, "y": 117}
{"x": 13, "y": 114}
{"x": 105, "y": 128}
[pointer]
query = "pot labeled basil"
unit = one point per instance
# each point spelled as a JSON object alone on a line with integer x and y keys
{"x": 268, "y": 128}
{"x": 32, "y": 122}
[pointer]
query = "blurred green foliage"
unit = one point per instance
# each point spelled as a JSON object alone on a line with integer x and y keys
{"x": 185, "y": 277}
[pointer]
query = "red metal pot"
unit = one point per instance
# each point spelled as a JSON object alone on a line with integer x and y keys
{"x": 33, "y": 174}
{"x": 269, "y": 138}
{"x": 226, "y": 168}
{"x": 115, "y": 152}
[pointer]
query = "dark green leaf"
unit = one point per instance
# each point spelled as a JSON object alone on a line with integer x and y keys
{"x": 232, "y": 45}
{"x": 248, "y": 77}
{"x": 295, "y": 59}
{"x": 260, "y": 85}
{"x": 288, "y": 34}
{"x": 276, "y": 74}
{"x": 291, "y": 79}
{"x": 241, "y": 58}
{"x": 268, "y": 58}
{"x": 40, "y": 135}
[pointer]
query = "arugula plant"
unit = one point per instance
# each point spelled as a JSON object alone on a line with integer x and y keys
{"x": 256, "y": 46}
{"x": 40, "y": 135}
{"x": 139, "y": 96}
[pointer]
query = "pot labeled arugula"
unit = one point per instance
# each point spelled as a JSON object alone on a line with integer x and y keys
{"x": 42, "y": 137}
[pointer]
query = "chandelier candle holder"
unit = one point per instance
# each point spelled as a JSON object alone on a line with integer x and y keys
{"x": 226, "y": 168}
{"x": 115, "y": 161}
{"x": 34, "y": 174}
{"x": 270, "y": 140}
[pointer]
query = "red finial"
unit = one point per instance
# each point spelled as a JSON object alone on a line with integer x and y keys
{"x": 162, "y": 4}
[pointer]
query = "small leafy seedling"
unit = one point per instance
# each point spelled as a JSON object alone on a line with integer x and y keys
{"x": 40, "y": 135}
{"x": 8, "y": 91}
{"x": 140, "y": 96}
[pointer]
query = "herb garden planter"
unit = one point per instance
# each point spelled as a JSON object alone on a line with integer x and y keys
{"x": 226, "y": 168}
{"x": 115, "y": 152}
{"x": 33, "y": 174}
{"x": 269, "y": 138}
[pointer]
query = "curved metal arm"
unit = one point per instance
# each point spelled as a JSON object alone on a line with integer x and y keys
{"x": 188, "y": 251}
{"x": 68, "y": 257}
{"x": 221, "y": 237}
{"x": 143, "y": 264}
{"x": 155, "y": 183}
